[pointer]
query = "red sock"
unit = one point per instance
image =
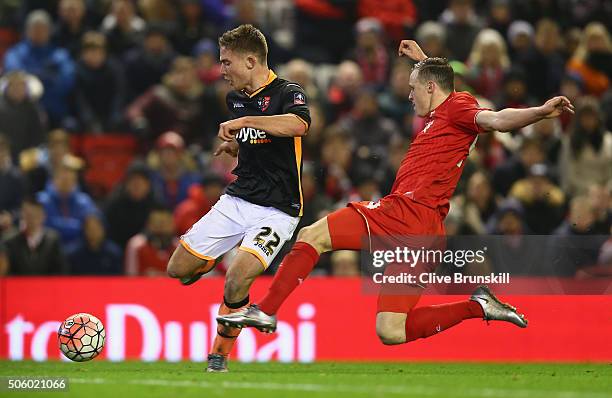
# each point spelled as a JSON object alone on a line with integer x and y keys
{"x": 426, "y": 321}
{"x": 294, "y": 268}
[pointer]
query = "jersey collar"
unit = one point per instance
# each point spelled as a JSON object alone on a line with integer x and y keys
{"x": 441, "y": 106}
{"x": 271, "y": 77}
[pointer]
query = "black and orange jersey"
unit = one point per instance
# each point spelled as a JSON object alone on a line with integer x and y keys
{"x": 269, "y": 168}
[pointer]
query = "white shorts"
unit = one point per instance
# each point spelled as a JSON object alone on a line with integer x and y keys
{"x": 259, "y": 230}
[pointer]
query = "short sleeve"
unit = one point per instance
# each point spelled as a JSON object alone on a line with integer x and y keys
{"x": 295, "y": 101}
{"x": 463, "y": 111}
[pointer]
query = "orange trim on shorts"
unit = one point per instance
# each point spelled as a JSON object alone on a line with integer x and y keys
{"x": 195, "y": 253}
{"x": 256, "y": 254}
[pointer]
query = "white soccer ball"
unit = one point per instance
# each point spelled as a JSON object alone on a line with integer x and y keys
{"x": 81, "y": 337}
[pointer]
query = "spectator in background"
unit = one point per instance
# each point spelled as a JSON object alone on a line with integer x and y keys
{"x": 4, "y": 267}
{"x": 65, "y": 204}
{"x": 513, "y": 252}
{"x": 362, "y": 121}
{"x": 93, "y": 254}
{"x": 500, "y": 16}
{"x": 199, "y": 201}
{"x": 462, "y": 27}
{"x": 397, "y": 16}
{"x": 71, "y": 26}
{"x": 545, "y": 62}
{"x": 488, "y": 62}
{"x": 344, "y": 90}
{"x": 148, "y": 252}
{"x": 431, "y": 36}
{"x": 208, "y": 68}
{"x": 100, "y": 87}
{"x": 11, "y": 181}
{"x": 191, "y": 27}
{"x": 122, "y": 27}
{"x": 478, "y": 204}
{"x": 593, "y": 59}
{"x": 38, "y": 164}
{"x": 158, "y": 11}
{"x": 336, "y": 158}
{"x": 543, "y": 202}
{"x": 171, "y": 181}
{"x": 548, "y": 132}
{"x": 146, "y": 64}
{"x": 20, "y": 115}
{"x": 35, "y": 250}
{"x": 575, "y": 244}
{"x": 586, "y": 151}
{"x": 52, "y": 65}
{"x": 571, "y": 41}
{"x": 520, "y": 39}
{"x": 175, "y": 105}
{"x": 394, "y": 101}
{"x": 514, "y": 93}
{"x": 370, "y": 52}
{"x": 318, "y": 202}
{"x": 506, "y": 174}
{"x": 324, "y": 29}
{"x": 601, "y": 201}
{"x": 129, "y": 205}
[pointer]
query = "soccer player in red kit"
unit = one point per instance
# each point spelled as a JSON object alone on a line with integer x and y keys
{"x": 417, "y": 206}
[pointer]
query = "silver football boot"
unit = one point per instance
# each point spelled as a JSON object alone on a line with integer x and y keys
{"x": 250, "y": 316}
{"x": 495, "y": 310}
{"x": 217, "y": 363}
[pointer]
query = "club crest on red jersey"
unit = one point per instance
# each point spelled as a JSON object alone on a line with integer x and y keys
{"x": 263, "y": 103}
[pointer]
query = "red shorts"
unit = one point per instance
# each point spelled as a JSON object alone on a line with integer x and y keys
{"x": 353, "y": 227}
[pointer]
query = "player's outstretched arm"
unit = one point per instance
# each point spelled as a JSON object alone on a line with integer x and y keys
{"x": 411, "y": 49}
{"x": 511, "y": 119}
{"x": 287, "y": 125}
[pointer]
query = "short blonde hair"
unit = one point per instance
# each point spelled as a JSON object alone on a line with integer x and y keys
{"x": 486, "y": 37}
{"x": 592, "y": 29}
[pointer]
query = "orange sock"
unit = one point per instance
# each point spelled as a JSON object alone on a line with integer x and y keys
{"x": 226, "y": 336}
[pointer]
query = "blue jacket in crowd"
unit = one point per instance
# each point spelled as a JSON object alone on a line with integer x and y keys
{"x": 53, "y": 66}
{"x": 66, "y": 215}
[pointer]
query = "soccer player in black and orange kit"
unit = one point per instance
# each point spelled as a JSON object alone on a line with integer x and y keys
{"x": 262, "y": 207}
{"x": 417, "y": 206}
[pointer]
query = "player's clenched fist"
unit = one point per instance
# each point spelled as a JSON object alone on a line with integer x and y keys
{"x": 227, "y": 130}
{"x": 230, "y": 147}
{"x": 411, "y": 49}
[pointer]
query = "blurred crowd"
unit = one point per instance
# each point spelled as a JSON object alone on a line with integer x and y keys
{"x": 146, "y": 71}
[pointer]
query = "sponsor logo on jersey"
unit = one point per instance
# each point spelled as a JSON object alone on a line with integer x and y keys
{"x": 253, "y": 136}
{"x": 263, "y": 103}
{"x": 299, "y": 99}
{"x": 238, "y": 105}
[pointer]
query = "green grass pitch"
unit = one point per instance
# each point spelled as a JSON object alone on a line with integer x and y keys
{"x": 326, "y": 379}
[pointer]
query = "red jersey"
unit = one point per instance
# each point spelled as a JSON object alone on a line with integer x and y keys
{"x": 432, "y": 166}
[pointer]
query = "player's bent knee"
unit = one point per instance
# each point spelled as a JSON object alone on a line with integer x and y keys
{"x": 316, "y": 237}
{"x": 390, "y": 337}
{"x": 182, "y": 264}
{"x": 390, "y": 329}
